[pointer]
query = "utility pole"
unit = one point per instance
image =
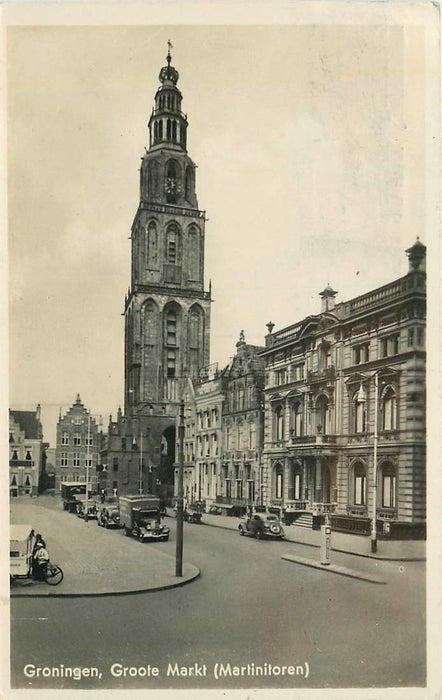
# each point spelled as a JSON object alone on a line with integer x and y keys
{"x": 180, "y": 498}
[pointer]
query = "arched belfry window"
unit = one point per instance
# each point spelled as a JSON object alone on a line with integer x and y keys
{"x": 389, "y": 409}
{"x": 171, "y": 327}
{"x": 173, "y": 245}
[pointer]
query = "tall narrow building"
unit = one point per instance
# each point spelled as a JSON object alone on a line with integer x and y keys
{"x": 167, "y": 310}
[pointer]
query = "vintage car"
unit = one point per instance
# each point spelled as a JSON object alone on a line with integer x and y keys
{"x": 92, "y": 511}
{"x": 146, "y": 529}
{"x": 215, "y": 510}
{"x": 261, "y": 525}
{"x": 109, "y": 517}
{"x": 193, "y": 512}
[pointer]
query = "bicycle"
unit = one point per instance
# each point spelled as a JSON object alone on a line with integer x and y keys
{"x": 52, "y": 574}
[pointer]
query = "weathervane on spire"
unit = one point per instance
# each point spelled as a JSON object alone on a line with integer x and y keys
{"x": 169, "y": 46}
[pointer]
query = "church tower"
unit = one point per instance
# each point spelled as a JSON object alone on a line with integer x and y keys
{"x": 167, "y": 311}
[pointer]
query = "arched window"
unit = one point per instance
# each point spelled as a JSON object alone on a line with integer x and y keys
{"x": 322, "y": 415}
{"x": 324, "y": 355}
{"x": 388, "y": 486}
{"x": 297, "y": 423}
{"x": 359, "y": 414}
{"x": 295, "y": 483}
{"x": 279, "y": 422}
{"x": 160, "y": 129}
{"x": 155, "y": 132}
{"x": 279, "y": 481}
{"x": 174, "y": 130}
{"x": 359, "y": 485}
{"x": 169, "y": 129}
{"x": 389, "y": 409}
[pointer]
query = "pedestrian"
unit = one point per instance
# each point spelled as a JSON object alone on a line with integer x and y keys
{"x": 102, "y": 495}
{"x": 40, "y": 560}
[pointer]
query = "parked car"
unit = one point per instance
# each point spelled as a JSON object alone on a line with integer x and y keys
{"x": 92, "y": 511}
{"x": 109, "y": 517}
{"x": 146, "y": 530}
{"x": 261, "y": 525}
{"x": 215, "y": 510}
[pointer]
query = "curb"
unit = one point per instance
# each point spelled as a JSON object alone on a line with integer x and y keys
{"x": 333, "y": 549}
{"x": 132, "y": 591}
{"x": 334, "y": 569}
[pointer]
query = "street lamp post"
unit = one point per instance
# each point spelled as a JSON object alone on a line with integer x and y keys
{"x": 86, "y": 514}
{"x": 361, "y": 398}
{"x": 374, "y": 534}
{"x": 180, "y": 495}
{"x": 140, "y": 474}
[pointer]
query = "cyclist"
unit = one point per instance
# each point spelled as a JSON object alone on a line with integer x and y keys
{"x": 41, "y": 559}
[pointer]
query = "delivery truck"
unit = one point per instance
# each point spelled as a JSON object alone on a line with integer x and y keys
{"x": 140, "y": 517}
{"x": 72, "y": 493}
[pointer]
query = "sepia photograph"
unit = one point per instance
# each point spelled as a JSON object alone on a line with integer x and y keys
{"x": 221, "y": 222}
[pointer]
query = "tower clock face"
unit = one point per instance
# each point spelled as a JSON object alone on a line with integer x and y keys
{"x": 171, "y": 186}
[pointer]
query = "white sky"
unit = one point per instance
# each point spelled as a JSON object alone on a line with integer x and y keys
{"x": 310, "y": 142}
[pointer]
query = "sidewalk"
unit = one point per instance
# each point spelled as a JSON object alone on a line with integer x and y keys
{"x": 95, "y": 561}
{"x": 394, "y": 550}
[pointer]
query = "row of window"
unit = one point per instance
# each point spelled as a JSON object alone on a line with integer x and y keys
{"x": 388, "y": 347}
{"x": 242, "y": 398}
{"x": 168, "y": 101}
{"x": 358, "y": 416}
{"x": 169, "y": 129}
{"x": 207, "y": 419}
{"x": 242, "y": 437}
{"x": 358, "y": 487}
{"x": 14, "y": 455}
{"x": 77, "y": 438}
{"x": 75, "y": 459}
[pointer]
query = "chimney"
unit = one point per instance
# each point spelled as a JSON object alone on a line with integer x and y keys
{"x": 38, "y": 412}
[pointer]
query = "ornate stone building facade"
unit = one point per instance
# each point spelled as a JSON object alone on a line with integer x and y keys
{"x": 223, "y": 431}
{"x": 241, "y": 478}
{"x": 341, "y": 386}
